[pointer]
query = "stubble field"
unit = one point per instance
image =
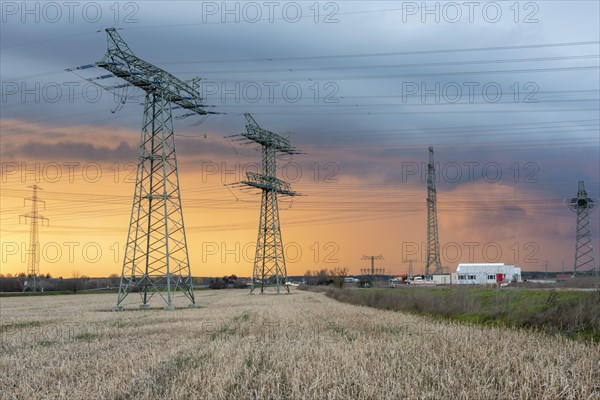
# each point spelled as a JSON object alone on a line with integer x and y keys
{"x": 301, "y": 345}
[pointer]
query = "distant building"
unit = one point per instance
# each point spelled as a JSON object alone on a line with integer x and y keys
{"x": 441, "y": 279}
{"x": 482, "y": 274}
{"x": 563, "y": 277}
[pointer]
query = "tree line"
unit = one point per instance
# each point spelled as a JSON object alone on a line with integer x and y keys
{"x": 336, "y": 276}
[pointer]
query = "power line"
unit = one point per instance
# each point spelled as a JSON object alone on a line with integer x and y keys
{"x": 416, "y": 75}
{"x": 343, "y": 56}
{"x": 397, "y": 53}
{"x": 411, "y": 65}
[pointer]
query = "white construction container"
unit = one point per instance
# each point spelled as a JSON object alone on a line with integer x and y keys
{"x": 441, "y": 279}
{"x": 482, "y": 274}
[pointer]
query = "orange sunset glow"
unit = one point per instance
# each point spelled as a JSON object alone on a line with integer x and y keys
{"x": 339, "y": 217}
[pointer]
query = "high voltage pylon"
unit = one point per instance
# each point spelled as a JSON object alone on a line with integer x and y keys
{"x": 269, "y": 261}
{"x": 156, "y": 257}
{"x": 373, "y": 272}
{"x": 584, "y": 250}
{"x": 410, "y": 267}
{"x": 433, "y": 242}
{"x": 33, "y": 268}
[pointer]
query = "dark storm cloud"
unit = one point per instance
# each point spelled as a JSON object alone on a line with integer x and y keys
{"x": 70, "y": 151}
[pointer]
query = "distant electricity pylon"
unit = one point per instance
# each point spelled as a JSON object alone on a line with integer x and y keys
{"x": 584, "y": 251}
{"x": 34, "y": 261}
{"x": 410, "y": 267}
{"x": 156, "y": 257}
{"x": 269, "y": 261}
{"x": 373, "y": 272}
{"x": 433, "y": 242}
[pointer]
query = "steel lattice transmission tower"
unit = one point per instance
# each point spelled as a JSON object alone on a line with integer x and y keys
{"x": 156, "y": 257}
{"x": 33, "y": 268}
{"x": 269, "y": 261}
{"x": 433, "y": 242}
{"x": 584, "y": 250}
{"x": 410, "y": 267}
{"x": 372, "y": 271}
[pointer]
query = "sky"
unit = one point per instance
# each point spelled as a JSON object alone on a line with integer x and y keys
{"x": 506, "y": 92}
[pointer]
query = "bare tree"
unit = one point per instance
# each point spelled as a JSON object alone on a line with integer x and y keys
{"x": 339, "y": 274}
{"x": 75, "y": 281}
{"x": 322, "y": 276}
{"x": 114, "y": 279}
{"x": 318, "y": 277}
{"x": 308, "y": 277}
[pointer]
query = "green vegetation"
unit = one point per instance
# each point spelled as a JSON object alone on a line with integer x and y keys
{"x": 87, "y": 336}
{"x": 575, "y": 314}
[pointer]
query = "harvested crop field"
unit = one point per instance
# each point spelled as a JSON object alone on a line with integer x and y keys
{"x": 301, "y": 345}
